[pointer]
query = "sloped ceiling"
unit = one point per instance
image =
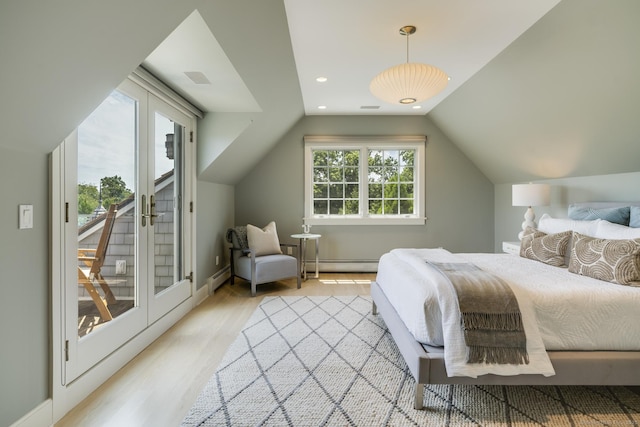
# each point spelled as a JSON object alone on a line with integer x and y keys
{"x": 551, "y": 95}
{"x": 561, "y": 100}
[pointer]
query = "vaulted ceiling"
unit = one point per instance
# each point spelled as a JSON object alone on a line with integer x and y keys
{"x": 538, "y": 90}
{"x": 535, "y": 87}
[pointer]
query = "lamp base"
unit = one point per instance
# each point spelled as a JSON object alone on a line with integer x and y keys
{"x": 529, "y": 221}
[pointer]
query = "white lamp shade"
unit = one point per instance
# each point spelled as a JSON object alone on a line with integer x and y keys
{"x": 408, "y": 83}
{"x": 530, "y": 195}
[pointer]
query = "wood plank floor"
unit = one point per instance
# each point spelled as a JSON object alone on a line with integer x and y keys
{"x": 158, "y": 387}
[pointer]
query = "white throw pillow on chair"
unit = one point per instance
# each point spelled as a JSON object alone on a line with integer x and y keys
{"x": 264, "y": 241}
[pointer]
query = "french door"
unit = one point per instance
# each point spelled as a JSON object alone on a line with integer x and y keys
{"x": 127, "y": 236}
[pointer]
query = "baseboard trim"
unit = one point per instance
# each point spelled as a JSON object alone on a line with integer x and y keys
{"x": 202, "y": 293}
{"x": 344, "y": 266}
{"x": 41, "y": 415}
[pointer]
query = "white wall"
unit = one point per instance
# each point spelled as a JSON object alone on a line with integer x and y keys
{"x": 459, "y": 199}
{"x": 24, "y": 280}
{"x": 623, "y": 187}
{"x": 215, "y": 210}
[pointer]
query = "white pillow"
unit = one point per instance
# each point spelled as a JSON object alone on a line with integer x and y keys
{"x": 609, "y": 230}
{"x": 550, "y": 225}
{"x": 263, "y": 241}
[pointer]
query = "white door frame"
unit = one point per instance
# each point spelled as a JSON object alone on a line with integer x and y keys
{"x": 65, "y": 394}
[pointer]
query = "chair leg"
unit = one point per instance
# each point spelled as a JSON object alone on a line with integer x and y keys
{"x": 105, "y": 314}
{"x": 253, "y": 287}
{"x": 299, "y": 280}
{"x": 111, "y": 299}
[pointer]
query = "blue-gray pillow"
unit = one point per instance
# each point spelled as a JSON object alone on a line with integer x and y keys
{"x": 634, "y": 220}
{"x": 616, "y": 215}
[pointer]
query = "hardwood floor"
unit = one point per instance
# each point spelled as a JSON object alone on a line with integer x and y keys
{"x": 158, "y": 387}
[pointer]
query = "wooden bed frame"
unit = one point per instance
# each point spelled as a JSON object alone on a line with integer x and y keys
{"x": 427, "y": 366}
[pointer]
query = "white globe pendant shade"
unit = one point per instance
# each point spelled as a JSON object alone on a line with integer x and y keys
{"x": 408, "y": 83}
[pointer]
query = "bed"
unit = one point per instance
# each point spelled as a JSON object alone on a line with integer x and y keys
{"x": 605, "y": 353}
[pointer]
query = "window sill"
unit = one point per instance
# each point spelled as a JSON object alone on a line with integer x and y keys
{"x": 365, "y": 221}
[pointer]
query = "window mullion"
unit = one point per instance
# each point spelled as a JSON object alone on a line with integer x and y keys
{"x": 364, "y": 182}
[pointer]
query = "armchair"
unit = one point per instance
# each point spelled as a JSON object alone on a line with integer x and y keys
{"x": 261, "y": 262}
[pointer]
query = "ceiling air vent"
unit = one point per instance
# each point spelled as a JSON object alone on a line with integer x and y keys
{"x": 197, "y": 77}
{"x": 370, "y": 107}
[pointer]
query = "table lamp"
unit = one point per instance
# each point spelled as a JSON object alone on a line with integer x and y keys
{"x": 530, "y": 195}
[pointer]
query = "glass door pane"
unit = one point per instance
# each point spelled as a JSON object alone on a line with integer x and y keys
{"x": 104, "y": 241}
{"x": 167, "y": 196}
{"x": 106, "y": 213}
{"x": 167, "y": 190}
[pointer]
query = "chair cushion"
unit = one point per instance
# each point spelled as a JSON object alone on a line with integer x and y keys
{"x": 263, "y": 241}
{"x": 269, "y": 268}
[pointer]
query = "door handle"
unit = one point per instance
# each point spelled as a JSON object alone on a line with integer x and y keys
{"x": 152, "y": 211}
{"x": 144, "y": 210}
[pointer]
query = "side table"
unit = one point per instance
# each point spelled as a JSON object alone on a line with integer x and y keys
{"x": 511, "y": 248}
{"x": 303, "y": 250}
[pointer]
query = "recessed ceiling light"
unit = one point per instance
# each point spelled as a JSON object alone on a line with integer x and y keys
{"x": 322, "y": 107}
{"x": 321, "y": 79}
{"x": 417, "y": 107}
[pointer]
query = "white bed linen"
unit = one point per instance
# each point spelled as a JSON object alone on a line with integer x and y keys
{"x": 573, "y": 312}
{"x": 436, "y": 286}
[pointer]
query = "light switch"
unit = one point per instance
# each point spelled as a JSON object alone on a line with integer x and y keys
{"x": 26, "y": 216}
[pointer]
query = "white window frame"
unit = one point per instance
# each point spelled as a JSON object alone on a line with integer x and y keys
{"x": 363, "y": 144}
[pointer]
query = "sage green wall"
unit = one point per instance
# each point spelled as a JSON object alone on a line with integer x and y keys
{"x": 24, "y": 281}
{"x": 214, "y": 206}
{"x": 459, "y": 199}
{"x": 623, "y": 187}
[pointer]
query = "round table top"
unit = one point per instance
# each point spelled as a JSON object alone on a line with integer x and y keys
{"x": 306, "y": 236}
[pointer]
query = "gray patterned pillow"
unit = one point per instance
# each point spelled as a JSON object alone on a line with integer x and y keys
{"x": 615, "y": 261}
{"x": 543, "y": 247}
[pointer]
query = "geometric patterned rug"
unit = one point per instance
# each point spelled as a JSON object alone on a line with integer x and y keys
{"x": 327, "y": 361}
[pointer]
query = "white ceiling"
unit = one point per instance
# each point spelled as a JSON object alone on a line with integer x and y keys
{"x": 349, "y": 42}
{"x": 191, "y": 48}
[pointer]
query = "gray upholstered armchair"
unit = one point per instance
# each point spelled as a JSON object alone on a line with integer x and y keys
{"x": 261, "y": 262}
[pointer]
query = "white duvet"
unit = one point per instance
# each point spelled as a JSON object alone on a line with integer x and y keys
{"x": 571, "y": 312}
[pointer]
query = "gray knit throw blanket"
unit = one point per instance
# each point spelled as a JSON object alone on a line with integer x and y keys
{"x": 489, "y": 315}
{"x": 240, "y": 234}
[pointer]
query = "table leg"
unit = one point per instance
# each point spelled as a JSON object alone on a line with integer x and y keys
{"x": 317, "y": 244}
{"x": 303, "y": 256}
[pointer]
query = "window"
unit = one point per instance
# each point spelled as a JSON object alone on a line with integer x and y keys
{"x": 364, "y": 180}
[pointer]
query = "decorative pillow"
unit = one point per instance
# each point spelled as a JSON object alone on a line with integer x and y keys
{"x": 263, "y": 241}
{"x": 550, "y": 225}
{"x": 607, "y": 230}
{"x": 616, "y": 261}
{"x": 619, "y": 215}
{"x": 543, "y": 247}
{"x": 634, "y": 220}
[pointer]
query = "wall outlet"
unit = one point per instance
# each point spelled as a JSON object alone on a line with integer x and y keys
{"x": 289, "y": 250}
{"x": 217, "y": 259}
{"x": 121, "y": 267}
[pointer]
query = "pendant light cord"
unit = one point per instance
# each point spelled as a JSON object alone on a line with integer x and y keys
{"x": 407, "y": 48}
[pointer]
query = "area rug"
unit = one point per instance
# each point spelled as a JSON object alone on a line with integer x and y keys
{"x": 327, "y": 361}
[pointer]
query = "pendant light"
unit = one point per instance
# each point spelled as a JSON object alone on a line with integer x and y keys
{"x": 410, "y": 82}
